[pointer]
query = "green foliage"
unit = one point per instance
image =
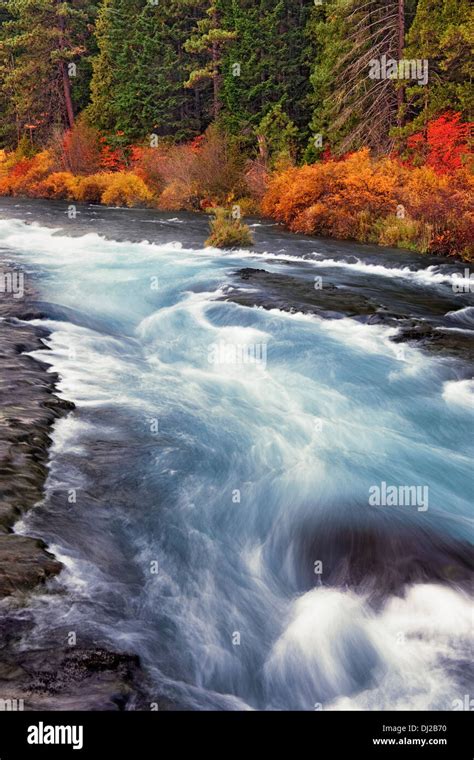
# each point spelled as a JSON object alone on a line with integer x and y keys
{"x": 227, "y": 232}
{"x": 44, "y": 49}
{"x": 268, "y": 64}
{"x": 443, "y": 33}
{"x": 280, "y": 136}
{"x": 139, "y": 74}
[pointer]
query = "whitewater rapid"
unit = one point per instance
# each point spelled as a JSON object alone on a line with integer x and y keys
{"x": 207, "y": 492}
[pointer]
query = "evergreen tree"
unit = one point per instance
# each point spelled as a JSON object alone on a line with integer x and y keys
{"x": 442, "y": 33}
{"x": 42, "y": 45}
{"x": 268, "y": 65}
{"x": 139, "y": 74}
{"x": 351, "y": 108}
{"x": 210, "y": 38}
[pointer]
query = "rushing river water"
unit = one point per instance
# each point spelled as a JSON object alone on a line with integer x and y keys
{"x": 210, "y": 495}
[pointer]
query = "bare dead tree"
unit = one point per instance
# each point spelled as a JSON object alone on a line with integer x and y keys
{"x": 377, "y": 28}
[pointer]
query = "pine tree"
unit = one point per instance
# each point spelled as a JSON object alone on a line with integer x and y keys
{"x": 442, "y": 33}
{"x": 138, "y": 79}
{"x": 210, "y": 38}
{"x": 267, "y": 65}
{"x": 41, "y": 48}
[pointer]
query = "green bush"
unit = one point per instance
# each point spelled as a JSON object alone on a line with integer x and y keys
{"x": 403, "y": 233}
{"x": 227, "y": 232}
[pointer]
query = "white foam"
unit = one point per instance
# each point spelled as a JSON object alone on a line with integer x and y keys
{"x": 429, "y": 276}
{"x": 459, "y": 393}
{"x": 463, "y": 316}
{"x": 334, "y": 646}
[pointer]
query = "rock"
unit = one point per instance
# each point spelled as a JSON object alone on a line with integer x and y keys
{"x": 59, "y": 678}
{"x": 24, "y": 562}
{"x": 277, "y": 291}
{"x": 72, "y": 679}
{"x": 29, "y": 408}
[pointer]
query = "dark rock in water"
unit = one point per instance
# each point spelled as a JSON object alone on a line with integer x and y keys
{"x": 278, "y": 291}
{"x": 270, "y": 290}
{"x": 28, "y": 410}
{"x": 437, "y": 340}
{"x": 382, "y": 558}
{"x": 72, "y": 679}
{"x": 24, "y": 562}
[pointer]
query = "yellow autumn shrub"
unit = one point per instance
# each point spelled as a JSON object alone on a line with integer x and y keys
{"x": 59, "y": 185}
{"x": 125, "y": 189}
{"x": 89, "y": 189}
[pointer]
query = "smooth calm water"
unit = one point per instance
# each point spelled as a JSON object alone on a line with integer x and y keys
{"x": 208, "y": 491}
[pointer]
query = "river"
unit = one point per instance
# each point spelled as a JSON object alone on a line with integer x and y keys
{"x": 220, "y": 495}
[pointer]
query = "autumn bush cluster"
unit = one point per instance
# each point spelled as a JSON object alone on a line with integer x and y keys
{"x": 420, "y": 198}
{"x": 84, "y": 166}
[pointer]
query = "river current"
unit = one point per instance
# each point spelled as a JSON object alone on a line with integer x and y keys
{"x": 262, "y": 491}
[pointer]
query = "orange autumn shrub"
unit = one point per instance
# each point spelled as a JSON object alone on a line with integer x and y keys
{"x": 58, "y": 185}
{"x": 444, "y": 202}
{"x": 180, "y": 191}
{"x": 125, "y": 189}
{"x": 25, "y": 176}
{"x": 178, "y": 196}
{"x": 82, "y": 149}
{"x": 336, "y": 198}
{"x": 149, "y": 164}
{"x": 377, "y": 200}
{"x": 207, "y": 171}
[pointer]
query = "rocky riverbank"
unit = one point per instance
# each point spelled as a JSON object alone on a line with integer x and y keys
{"x": 41, "y": 678}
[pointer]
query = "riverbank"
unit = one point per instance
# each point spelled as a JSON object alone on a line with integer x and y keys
{"x": 29, "y": 409}
{"x": 415, "y": 202}
{"x": 38, "y": 678}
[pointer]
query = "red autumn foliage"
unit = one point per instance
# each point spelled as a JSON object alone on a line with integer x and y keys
{"x": 444, "y": 146}
{"x": 112, "y": 159}
{"x": 81, "y": 151}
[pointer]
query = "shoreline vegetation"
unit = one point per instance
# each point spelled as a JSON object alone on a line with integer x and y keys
{"x": 420, "y": 205}
{"x": 340, "y": 118}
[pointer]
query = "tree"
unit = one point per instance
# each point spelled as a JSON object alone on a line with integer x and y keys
{"x": 142, "y": 62}
{"x": 42, "y": 45}
{"x": 441, "y": 33}
{"x": 266, "y": 66}
{"x": 210, "y": 38}
{"x": 353, "y": 105}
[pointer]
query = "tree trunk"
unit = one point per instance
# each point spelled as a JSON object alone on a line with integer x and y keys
{"x": 216, "y": 81}
{"x": 401, "y": 47}
{"x": 65, "y": 78}
{"x": 67, "y": 95}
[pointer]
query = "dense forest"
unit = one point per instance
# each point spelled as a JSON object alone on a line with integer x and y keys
{"x": 203, "y": 102}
